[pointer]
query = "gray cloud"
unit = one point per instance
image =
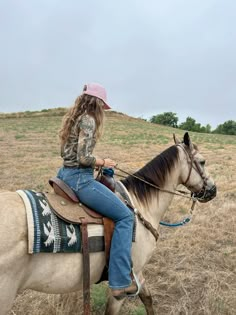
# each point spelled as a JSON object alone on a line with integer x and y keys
{"x": 152, "y": 56}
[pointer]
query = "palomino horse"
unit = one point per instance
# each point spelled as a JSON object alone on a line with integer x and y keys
{"x": 63, "y": 273}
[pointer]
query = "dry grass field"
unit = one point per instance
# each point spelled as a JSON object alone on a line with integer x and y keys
{"x": 193, "y": 270}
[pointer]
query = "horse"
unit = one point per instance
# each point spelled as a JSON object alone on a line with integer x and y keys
{"x": 151, "y": 190}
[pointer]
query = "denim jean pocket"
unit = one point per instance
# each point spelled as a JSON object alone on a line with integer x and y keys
{"x": 69, "y": 176}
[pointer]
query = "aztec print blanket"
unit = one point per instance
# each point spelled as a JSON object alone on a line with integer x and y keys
{"x": 50, "y": 234}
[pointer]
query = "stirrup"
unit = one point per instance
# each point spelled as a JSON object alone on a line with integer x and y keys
{"x": 124, "y": 294}
{"x": 138, "y": 283}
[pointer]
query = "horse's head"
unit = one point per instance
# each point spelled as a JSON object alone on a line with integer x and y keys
{"x": 194, "y": 175}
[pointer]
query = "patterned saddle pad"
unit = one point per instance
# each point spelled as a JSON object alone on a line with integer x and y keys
{"x": 50, "y": 234}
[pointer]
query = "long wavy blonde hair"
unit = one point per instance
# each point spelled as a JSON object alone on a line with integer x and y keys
{"x": 84, "y": 104}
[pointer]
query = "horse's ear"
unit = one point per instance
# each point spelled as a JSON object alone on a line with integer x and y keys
{"x": 176, "y": 140}
{"x": 187, "y": 141}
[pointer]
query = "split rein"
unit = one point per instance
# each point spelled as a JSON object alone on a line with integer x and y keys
{"x": 178, "y": 193}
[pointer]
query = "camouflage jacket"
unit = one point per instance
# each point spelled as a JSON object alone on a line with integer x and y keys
{"x": 78, "y": 149}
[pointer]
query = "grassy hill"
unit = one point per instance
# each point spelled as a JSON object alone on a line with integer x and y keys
{"x": 193, "y": 270}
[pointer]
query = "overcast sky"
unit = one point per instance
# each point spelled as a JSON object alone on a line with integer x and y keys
{"x": 152, "y": 56}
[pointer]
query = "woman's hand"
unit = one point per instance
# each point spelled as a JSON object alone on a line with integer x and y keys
{"x": 107, "y": 162}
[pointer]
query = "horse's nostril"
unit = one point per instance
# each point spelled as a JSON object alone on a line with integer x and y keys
{"x": 206, "y": 195}
{"x": 214, "y": 190}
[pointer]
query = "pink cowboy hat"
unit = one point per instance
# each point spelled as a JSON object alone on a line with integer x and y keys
{"x": 97, "y": 90}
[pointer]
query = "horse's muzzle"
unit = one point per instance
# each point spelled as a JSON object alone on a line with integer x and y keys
{"x": 205, "y": 194}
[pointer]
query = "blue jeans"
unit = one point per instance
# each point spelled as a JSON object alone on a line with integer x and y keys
{"x": 98, "y": 197}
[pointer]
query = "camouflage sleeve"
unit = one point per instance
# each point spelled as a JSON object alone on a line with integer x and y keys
{"x": 86, "y": 142}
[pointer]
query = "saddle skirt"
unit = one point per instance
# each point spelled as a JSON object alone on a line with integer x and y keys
{"x": 72, "y": 212}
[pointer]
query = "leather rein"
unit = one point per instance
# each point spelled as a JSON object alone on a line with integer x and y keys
{"x": 193, "y": 164}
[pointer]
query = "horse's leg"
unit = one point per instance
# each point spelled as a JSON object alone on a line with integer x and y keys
{"x": 146, "y": 298}
{"x": 113, "y": 306}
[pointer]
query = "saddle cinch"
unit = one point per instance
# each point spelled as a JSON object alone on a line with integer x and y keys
{"x": 68, "y": 207}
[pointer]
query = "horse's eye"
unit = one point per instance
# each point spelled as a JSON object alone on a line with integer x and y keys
{"x": 202, "y": 163}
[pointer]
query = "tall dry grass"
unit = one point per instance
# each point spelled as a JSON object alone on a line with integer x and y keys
{"x": 193, "y": 270}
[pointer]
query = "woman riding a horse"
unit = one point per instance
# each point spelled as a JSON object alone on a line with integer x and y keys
{"x": 81, "y": 128}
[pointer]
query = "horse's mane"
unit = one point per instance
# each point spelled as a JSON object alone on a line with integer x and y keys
{"x": 156, "y": 172}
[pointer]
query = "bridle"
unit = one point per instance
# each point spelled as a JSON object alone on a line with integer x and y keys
{"x": 205, "y": 194}
{"x": 194, "y": 196}
{"x": 193, "y": 165}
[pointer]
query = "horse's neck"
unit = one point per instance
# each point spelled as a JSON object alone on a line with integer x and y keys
{"x": 153, "y": 211}
{"x": 154, "y": 208}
